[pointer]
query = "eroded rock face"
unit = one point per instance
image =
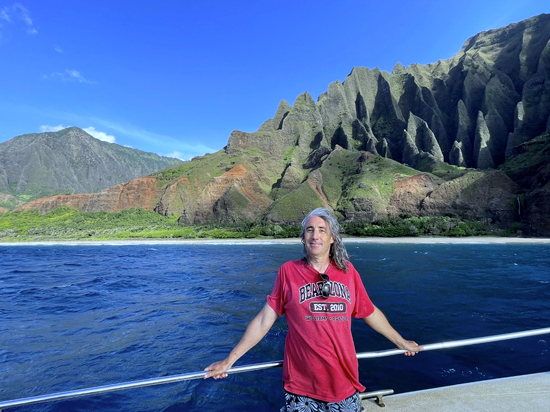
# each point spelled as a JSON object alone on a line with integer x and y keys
{"x": 47, "y": 204}
{"x": 172, "y": 199}
{"x": 410, "y": 193}
{"x": 231, "y": 197}
{"x": 139, "y": 193}
{"x": 490, "y": 196}
{"x": 537, "y": 203}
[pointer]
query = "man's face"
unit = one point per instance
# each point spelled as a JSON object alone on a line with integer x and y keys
{"x": 317, "y": 237}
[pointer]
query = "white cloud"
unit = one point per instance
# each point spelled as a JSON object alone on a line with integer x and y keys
{"x": 90, "y": 130}
{"x": 58, "y": 49}
{"x": 17, "y": 14}
{"x": 177, "y": 155}
{"x": 99, "y": 135}
{"x": 4, "y": 15}
{"x": 70, "y": 76}
{"x": 73, "y": 74}
{"x": 48, "y": 128}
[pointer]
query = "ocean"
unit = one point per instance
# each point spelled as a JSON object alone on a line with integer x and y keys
{"x": 74, "y": 316}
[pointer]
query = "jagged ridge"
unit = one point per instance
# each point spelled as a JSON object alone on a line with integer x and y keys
{"x": 471, "y": 110}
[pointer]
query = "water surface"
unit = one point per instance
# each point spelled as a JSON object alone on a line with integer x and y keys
{"x": 80, "y": 316}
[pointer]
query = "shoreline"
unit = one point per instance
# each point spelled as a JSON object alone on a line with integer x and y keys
{"x": 372, "y": 240}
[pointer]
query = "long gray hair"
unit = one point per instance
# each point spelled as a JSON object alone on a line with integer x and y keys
{"x": 338, "y": 252}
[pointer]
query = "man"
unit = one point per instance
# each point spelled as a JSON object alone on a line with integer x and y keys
{"x": 319, "y": 295}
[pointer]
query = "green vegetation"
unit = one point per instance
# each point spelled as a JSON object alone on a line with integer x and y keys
{"x": 417, "y": 226}
{"x": 299, "y": 201}
{"x": 529, "y": 155}
{"x": 66, "y": 223}
{"x": 10, "y": 202}
{"x": 347, "y": 175}
{"x": 377, "y": 179}
{"x": 209, "y": 166}
{"x": 447, "y": 171}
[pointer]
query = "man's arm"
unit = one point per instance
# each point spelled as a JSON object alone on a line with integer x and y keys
{"x": 377, "y": 320}
{"x": 256, "y": 330}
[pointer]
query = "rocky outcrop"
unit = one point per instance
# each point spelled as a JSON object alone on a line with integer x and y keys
{"x": 488, "y": 196}
{"x": 537, "y": 204}
{"x": 47, "y": 204}
{"x": 138, "y": 193}
{"x": 420, "y": 143}
{"x": 410, "y": 193}
{"x": 530, "y": 168}
{"x": 233, "y": 196}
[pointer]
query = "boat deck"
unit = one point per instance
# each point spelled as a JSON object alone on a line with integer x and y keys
{"x": 527, "y": 393}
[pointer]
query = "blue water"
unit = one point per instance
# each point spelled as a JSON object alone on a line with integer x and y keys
{"x": 81, "y": 316}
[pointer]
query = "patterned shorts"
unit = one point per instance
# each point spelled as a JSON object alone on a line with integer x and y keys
{"x": 298, "y": 403}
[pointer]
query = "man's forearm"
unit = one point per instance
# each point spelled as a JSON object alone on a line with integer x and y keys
{"x": 378, "y": 321}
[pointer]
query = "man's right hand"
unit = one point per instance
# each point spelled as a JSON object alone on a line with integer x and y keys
{"x": 217, "y": 370}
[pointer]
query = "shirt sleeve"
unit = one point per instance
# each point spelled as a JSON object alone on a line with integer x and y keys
{"x": 276, "y": 299}
{"x": 363, "y": 305}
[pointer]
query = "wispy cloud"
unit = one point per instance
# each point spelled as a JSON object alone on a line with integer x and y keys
{"x": 15, "y": 15}
{"x": 23, "y": 15}
{"x": 99, "y": 135}
{"x": 90, "y": 130}
{"x": 177, "y": 155}
{"x": 48, "y": 128}
{"x": 70, "y": 76}
{"x": 4, "y": 15}
{"x": 58, "y": 49}
{"x": 164, "y": 145}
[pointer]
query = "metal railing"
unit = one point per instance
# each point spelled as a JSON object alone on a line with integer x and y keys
{"x": 249, "y": 368}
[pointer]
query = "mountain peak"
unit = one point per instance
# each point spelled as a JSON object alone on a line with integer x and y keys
{"x": 68, "y": 161}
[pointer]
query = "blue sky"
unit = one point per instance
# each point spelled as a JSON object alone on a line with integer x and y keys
{"x": 177, "y": 77}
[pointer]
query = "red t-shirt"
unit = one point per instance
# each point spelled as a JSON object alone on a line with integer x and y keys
{"x": 320, "y": 359}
